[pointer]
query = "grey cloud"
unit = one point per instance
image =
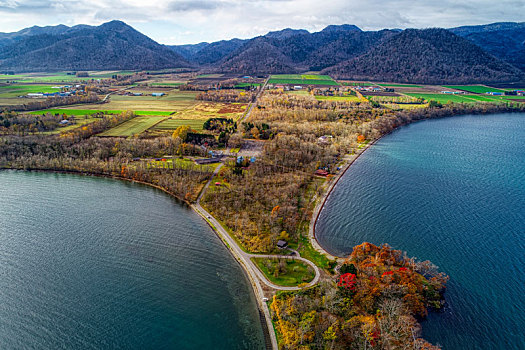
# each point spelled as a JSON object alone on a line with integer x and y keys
{"x": 195, "y": 5}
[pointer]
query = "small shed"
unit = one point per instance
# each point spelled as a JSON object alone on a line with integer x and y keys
{"x": 282, "y": 244}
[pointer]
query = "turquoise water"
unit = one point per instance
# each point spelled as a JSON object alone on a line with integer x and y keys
{"x": 90, "y": 263}
{"x": 451, "y": 191}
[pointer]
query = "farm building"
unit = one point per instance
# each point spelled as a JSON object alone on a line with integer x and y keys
{"x": 208, "y": 160}
{"x": 321, "y": 172}
{"x": 158, "y": 94}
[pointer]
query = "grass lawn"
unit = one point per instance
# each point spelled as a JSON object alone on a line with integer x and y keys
{"x": 477, "y": 89}
{"x": 134, "y": 126}
{"x": 181, "y": 164}
{"x": 338, "y": 98}
{"x": 285, "y": 272}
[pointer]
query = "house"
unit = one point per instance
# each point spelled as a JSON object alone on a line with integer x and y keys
{"x": 321, "y": 172}
{"x": 282, "y": 244}
{"x": 325, "y": 139}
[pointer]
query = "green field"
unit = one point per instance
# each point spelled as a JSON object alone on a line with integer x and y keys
{"x": 295, "y": 271}
{"x": 172, "y": 124}
{"x": 132, "y": 127}
{"x": 298, "y": 79}
{"x": 181, "y": 164}
{"x": 59, "y": 77}
{"x": 477, "y": 89}
{"x": 15, "y": 90}
{"x": 94, "y": 111}
{"x": 244, "y": 85}
{"x": 444, "y": 98}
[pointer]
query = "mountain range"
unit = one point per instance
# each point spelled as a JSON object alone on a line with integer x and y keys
{"x": 469, "y": 54}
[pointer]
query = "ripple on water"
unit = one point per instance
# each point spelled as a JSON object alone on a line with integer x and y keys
{"x": 90, "y": 263}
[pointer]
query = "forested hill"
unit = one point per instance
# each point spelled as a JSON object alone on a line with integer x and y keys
{"x": 470, "y": 54}
{"x": 503, "y": 40}
{"x": 112, "y": 45}
{"x": 431, "y": 56}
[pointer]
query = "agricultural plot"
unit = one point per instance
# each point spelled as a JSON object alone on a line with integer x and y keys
{"x": 338, "y": 98}
{"x": 172, "y": 124}
{"x": 132, "y": 127}
{"x": 95, "y": 111}
{"x": 356, "y": 83}
{"x": 477, "y": 89}
{"x": 78, "y": 122}
{"x": 400, "y": 85}
{"x": 173, "y": 101}
{"x": 298, "y": 79}
{"x": 15, "y": 90}
{"x": 443, "y": 98}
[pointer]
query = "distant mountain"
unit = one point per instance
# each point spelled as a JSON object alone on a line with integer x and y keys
{"x": 112, "y": 45}
{"x": 301, "y": 50}
{"x": 487, "y": 28}
{"x": 286, "y": 33}
{"x": 258, "y": 56}
{"x": 341, "y": 28}
{"x": 432, "y": 56}
{"x": 503, "y": 40}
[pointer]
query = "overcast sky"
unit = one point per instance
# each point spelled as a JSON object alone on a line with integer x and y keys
{"x": 193, "y": 21}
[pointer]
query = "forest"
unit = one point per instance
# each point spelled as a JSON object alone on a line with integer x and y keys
{"x": 373, "y": 303}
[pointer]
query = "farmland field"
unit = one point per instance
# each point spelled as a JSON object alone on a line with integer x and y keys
{"x": 338, "y": 98}
{"x": 94, "y": 111}
{"x": 173, "y": 123}
{"x": 477, "y": 89}
{"x": 443, "y": 98}
{"x": 400, "y": 85}
{"x": 132, "y": 127}
{"x": 15, "y": 90}
{"x": 298, "y": 79}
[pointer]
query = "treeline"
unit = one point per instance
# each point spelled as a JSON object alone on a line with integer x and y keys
{"x": 373, "y": 303}
{"x": 227, "y": 96}
{"x": 21, "y": 124}
{"x": 104, "y": 156}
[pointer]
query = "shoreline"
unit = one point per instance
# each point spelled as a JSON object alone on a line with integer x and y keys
{"x": 320, "y": 205}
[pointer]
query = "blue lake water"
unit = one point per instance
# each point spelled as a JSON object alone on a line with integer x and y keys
{"x": 91, "y": 263}
{"x": 451, "y": 191}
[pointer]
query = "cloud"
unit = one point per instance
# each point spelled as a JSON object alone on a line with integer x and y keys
{"x": 191, "y": 21}
{"x": 195, "y": 5}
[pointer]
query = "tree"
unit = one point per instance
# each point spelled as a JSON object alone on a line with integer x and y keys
{"x": 182, "y": 132}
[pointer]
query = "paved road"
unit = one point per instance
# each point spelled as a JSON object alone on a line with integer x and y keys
{"x": 254, "y": 103}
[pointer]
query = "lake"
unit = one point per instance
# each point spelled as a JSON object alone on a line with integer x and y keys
{"x": 451, "y": 191}
{"x": 93, "y": 263}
